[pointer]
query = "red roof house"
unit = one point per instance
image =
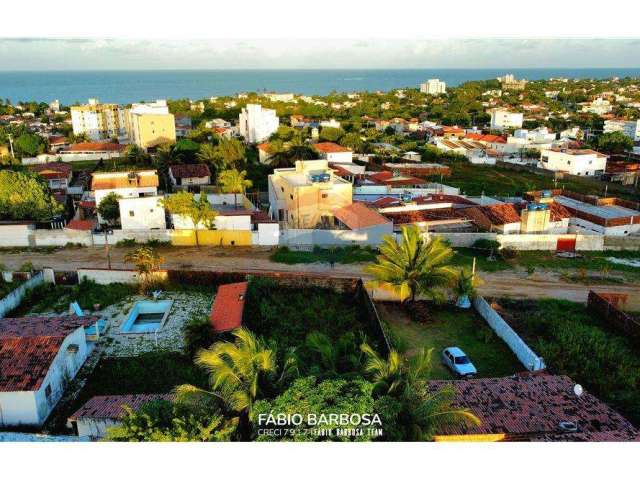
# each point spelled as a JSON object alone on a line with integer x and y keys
{"x": 228, "y": 306}
{"x": 357, "y": 216}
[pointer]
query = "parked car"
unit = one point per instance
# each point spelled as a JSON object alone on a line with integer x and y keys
{"x": 458, "y": 362}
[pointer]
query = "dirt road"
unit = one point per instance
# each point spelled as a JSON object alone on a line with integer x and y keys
{"x": 511, "y": 283}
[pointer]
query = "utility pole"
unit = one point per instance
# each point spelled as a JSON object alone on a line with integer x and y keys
{"x": 106, "y": 244}
{"x": 11, "y": 145}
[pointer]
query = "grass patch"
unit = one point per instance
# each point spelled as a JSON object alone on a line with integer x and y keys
{"x": 352, "y": 254}
{"x": 463, "y": 257}
{"x": 493, "y": 180}
{"x": 56, "y": 298}
{"x": 287, "y": 315}
{"x": 448, "y": 327}
{"x": 575, "y": 343}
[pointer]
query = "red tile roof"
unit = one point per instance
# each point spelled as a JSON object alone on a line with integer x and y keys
{"x": 110, "y": 406}
{"x": 499, "y": 214}
{"x": 387, "y": 178}
{"x": 81, "y": 224}
{"x": 479, "y": 137}
{"x": 28, "y": 346}
{"x": 264, "y": 147}
{"x": 188, "y": 170}
{"x": 54, "y": 170}
{"x": 330, "y": 147}
{"x": 95, "y": 147}
{"x": 558, "y": 212}
{"x": 358, "y": 215}
{"x": 531, "y": 406}
{"x": 58, "y": 140}
{"x": 226, "y": 312}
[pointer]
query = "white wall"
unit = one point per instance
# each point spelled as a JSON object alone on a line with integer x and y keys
{"x": 104, "y": 277}
{"x": 142, "y": 213}
{"x": 94, "y": 428}
{"x": 527, "y": 357}
{"x": 15, "y": 235}
{"x": 232, "y": 222}
{"x": 13, "y": 299}
{"x": 268, "y": 234}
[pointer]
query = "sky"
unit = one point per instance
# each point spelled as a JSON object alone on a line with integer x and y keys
{"x": 141, "y": 54}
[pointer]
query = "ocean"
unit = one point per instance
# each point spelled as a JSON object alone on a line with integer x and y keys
{"x": 133, "y": 86}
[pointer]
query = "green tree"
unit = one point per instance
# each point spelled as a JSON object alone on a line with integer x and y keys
{"x": 29, "y": 145}
{"x": 331, "y": 134}
{"x": 235, "y": 371}
{"x": 109, "y": 208}
{"x": 233, "y": 181}
{"x": 614, "y": 142}
{"x": 413, "y": 266}
{"x": 198, "y": 210}
{"x": 232, "y": 151}
{"x": 25, "y": 196}
{"x": 410, "y": 408}
{"x": 164, "y": 421}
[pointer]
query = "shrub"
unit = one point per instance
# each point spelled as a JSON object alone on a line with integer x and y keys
{"x": 508, "y": 253}
{"x": 198, "y": 334}
{"x": 486, "y": 244}
{"x": 126, "y": 242}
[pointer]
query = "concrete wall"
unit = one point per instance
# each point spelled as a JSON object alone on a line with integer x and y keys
{"x": 527, "y": 357}
{"x": 104, "y": 276}
{"x": 15, "y": 235}
{"x": 94, "y": 428}
{"x": 18, "y": 408}
{"x": 549, "y": 242}
{"x": 308, "y": 237}
{"x": 13, "y": 299}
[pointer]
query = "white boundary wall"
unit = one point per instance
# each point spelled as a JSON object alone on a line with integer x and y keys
{"x": 105, "y": 277}
{"x": 527, "y": 357}
{"x": 13, "y": 299}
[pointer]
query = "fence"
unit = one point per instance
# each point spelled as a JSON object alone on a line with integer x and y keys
{"x": 527, "y": 357}
{"x": 370, "y": 309}
{"x": 606, "y": 306}
{"x": 13, "y": 299}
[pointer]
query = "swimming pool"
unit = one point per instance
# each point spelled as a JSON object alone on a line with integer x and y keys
{"x": 147, "y": 316}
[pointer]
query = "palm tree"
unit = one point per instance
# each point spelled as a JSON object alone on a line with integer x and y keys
{"x": 147, "y": 261}
{"x": 235, "y": 370}
{"x": 423, "y": 410}
{"x": 211, "y": 155}
{"x": 413, "y": 266}
{"x": 465, "y": 287}
{"x": 233, "y": 181}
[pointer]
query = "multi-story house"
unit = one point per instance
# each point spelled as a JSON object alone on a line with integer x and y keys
{"x": 307, "y": 196}
{"x": 575, "y": 162}
{"x": 151, "y": 124}
{"x": 433, "y": 86}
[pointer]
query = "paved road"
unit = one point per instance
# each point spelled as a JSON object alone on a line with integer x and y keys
{"x": 506, "y": 283}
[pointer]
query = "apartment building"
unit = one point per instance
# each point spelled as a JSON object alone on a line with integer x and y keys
{"x": 151, "y": 124}
{"x": 433, "y": 86}
{"x": 575, "y": 162}
{"x": 256, "y": 124}
{"x": 504, "y": 119}
{"x": 599, "y": 106}
{"x": 307, "y": 196}
{"x": 99, "y": 121}
{"x": 631, "y": 128}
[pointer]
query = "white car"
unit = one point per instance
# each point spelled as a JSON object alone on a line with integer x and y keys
{"x": 458, "y": 362}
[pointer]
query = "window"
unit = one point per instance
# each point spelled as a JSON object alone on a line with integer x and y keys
{"x": 151, "y": 210}
{"x": 47, "y": 392}
{"x": 282, "y": 188}
{"x": 131, "y": 213}
{"x": 291, "y": 195}
{"x": 325, "y": 195}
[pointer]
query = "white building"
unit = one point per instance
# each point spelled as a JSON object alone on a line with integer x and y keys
{"x": 575, "y": 162}
{"x": 142, "y": 213}
{"x": 540, "y": 138}
{"x": 143, "y": 183}
{"x": 279, "y": 97}
{"x": 504, "y": 119}
{"x": 257, "y": 124}
{"x": 631, "y": 128}
{"x": 333, "y": 153}
{"x": 599, "y": 106}
{"x": 150, "y": 124}
{"x": 433, "y": 86}
{"x": 39, "y": 356}
{"x": 99, "y": 121}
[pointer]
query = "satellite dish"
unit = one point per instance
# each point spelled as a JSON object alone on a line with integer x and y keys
{"x": 578, "y": 390}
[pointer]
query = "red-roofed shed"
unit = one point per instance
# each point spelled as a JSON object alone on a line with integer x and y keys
{"x": 226, "y": 312}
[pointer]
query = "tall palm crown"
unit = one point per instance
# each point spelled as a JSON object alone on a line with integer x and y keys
{"x": 234, "y": 181}
{"x": 413, "y": 266}
{"x": 424, "y": 411}
{"x": 234, "y": 370}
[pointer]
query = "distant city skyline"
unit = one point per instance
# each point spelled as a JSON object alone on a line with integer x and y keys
{"x": 39, "y": 54}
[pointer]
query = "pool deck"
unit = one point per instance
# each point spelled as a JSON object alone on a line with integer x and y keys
{"x": 168, "y": 337}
